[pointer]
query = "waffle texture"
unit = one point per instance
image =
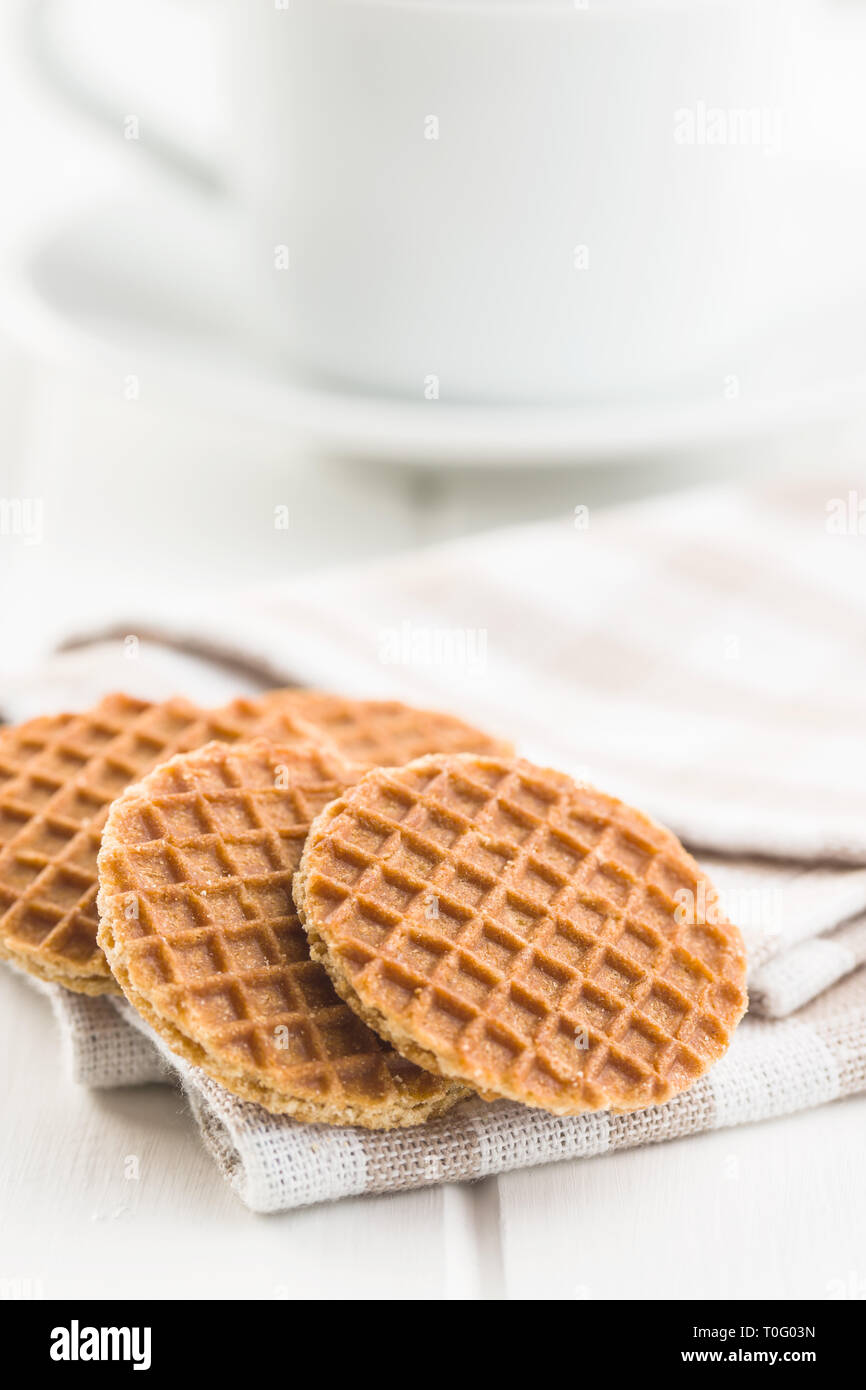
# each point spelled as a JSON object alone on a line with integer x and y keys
{"x": 383, "y": 733}
{"x": 523, "y": 933}
{"x": 58, "y": 776}
{"x": 200, "y": 929}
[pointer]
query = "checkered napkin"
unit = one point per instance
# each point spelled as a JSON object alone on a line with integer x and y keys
{"x": 701, "y": 656}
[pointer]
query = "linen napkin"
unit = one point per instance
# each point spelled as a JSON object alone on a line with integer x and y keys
{"x": 273, "y": 1163}
{"x": 702, "y": 656}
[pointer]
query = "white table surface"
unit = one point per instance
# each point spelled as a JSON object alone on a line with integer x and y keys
{"x": 775, "y": 1210}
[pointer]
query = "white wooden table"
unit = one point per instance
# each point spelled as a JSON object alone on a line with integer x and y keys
{"x": 776, "y": 1210}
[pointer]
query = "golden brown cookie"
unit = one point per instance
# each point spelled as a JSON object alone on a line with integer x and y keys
{"x": 58, "y": 775}
{"x": 521, "y": 933}
{"x": 384, "y": 733}
{"x": 200, "y": 929}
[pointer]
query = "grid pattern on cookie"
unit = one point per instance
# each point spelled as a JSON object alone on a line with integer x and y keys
{"x": 58, "y": 776}
{"x": 196, "y": 876}
{"x": 385, "y": 733}
{"x": 523, "y": 929}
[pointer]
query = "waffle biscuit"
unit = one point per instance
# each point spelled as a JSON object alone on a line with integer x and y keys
{"x": 384, "y": 733}
{"x": 58, "y": 776}
{"x": 519, "y": 932}
{"x": 198, "y": 923}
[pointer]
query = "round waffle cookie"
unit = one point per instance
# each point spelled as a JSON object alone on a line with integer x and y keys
{"x": 200, "y": 929}
{"x": 383, "y": 733}
{"x": 525, "y": 934}
{"x": 58, "y": 776}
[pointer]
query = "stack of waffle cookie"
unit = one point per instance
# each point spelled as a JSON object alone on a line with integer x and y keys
{"x": 354, "y": 912}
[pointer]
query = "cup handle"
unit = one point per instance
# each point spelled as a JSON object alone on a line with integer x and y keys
{"x": 52, "y": 66}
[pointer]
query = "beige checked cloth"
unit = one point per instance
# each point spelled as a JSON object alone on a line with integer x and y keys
{"x": 273, "y": 1163}
{"x": 701, "y": 655}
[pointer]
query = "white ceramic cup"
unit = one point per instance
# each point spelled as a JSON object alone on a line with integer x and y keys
{"x": 507, "y": 200}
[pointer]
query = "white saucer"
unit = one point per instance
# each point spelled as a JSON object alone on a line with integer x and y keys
{"x": 137, "y": 284}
